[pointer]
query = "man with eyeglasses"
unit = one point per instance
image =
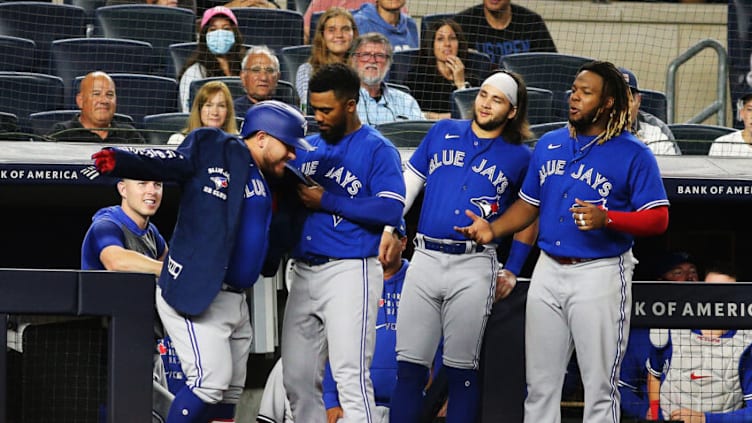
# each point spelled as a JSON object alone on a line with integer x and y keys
{"x": 259, "y": 74}
{"x": 379, "y": 103}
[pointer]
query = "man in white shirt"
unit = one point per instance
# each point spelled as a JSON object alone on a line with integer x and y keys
{"x": 648, "y": 128}
{"x": 737, "y": 143}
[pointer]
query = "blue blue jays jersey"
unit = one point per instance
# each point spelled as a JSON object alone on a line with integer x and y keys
{"x": 462, "y": 171}
{"x": 620, "y": 174}
{"x": 363, "y": 168}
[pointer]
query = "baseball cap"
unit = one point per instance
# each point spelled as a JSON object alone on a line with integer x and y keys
{"x": 215, "y": 11}
{"x": 630, "y": 78}
{"x": 279, "y": 120}
{"x": 671, "y": 260}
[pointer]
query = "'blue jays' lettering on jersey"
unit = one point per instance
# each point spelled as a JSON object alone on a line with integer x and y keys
{"x": 620, "y": 174}
{"x": 462, "y": 172}
{"x": 362, "y": 164}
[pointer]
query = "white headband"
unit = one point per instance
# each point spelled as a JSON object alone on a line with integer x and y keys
{"x": 504, "y": 83}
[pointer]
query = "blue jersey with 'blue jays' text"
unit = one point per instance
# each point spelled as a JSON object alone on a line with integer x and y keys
{"x": 463, "y": 171}
{"x": 364, "y": 190}
{"x": 620, "y": 174}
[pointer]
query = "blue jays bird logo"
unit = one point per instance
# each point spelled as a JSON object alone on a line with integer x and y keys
{"x": 219, "y": 182}
{"x": 488, "y": 206}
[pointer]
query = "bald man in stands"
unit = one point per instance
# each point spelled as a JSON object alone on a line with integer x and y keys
{"x": 97, "y": 101}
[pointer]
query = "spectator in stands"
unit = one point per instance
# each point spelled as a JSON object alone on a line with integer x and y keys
{"x": 674, "y": 266}
{"x": 97, "y": 102}
{"x": 316, "y": 6}
{"x": 379, "y": 103}
{"x": 648, "y": 128}
{"x": 185, "y": 4}
{"x": 440, "y": 69}
{"x": 737, "y": 143}
{"x": 334, "y": 36}
{"x": 701, "y": 376}
{"x": 212, "y": 108}
{"x": 386, "y": 17}
{"x": 259, "y": 74}
{"x": 203, "y": 5}
{"x": 498, "y": 28}
{"x": 219, "y": 51}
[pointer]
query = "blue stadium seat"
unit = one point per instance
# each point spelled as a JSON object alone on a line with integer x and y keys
{"x": 42, "y": 22}
{"x": 403, "y": 62}
{"x": 9, "y": 126}
{"x": 550, "y": 71}
{"x": 25, "y": 93}
{"x": 285, "y": 91}
{"x": 275, "y": 28}
{"x": 159, "y": 128}
{"x": 541, "y": 128}
{"x": 462, "y": 103}
{"x": 42, "y": 122}
{"x": 17, "y": 54}
{"x": 78, "y": 56}
{"x": 655, "y": 103}
{"x": 479, "y": 64}
{"x": 695, "y": 138}
{"x": 180, "y": 53}
{"x": 142, "y": 95}
{"x": 159, "y": 25}
{"x": 406, "y": 133}
{"x": 290, "y": 58}
{"x": 427, "y": 20}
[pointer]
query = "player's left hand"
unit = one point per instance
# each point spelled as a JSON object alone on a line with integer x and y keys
{"x": 311, "y": 195}
{"x": 334, "y": 414}
{"x": 688, "y": 416}
{"x": 389, "y": 248}
{"x": 479, "y": 231}
{"x": 588, "y": 216}
{"x": 505, "y": 283}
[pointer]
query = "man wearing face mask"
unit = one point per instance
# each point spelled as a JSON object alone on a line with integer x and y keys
{"x": 219, "y": 51}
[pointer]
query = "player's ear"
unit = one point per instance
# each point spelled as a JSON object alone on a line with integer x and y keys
{"x": 609, "y": 103}
{"x": 512, "y": 113}
{"x": 121, "y": 187}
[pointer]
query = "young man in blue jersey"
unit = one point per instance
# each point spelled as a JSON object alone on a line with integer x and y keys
{"x": 451, "y": 283}
{"x": 218, "y": 247}
{"x": 356, "y": 189}
{"x": 594, "y": 187}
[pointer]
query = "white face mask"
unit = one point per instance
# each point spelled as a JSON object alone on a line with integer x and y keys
{"x": 220, "y": 41}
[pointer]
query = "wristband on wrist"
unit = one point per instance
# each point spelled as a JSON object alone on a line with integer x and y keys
{"x": 517, "y": 256}
{"x": 655, "y": 406}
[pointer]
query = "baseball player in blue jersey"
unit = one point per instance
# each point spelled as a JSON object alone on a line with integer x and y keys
{"x": 593, "y": 186}
{"x": 218, "y": 247}
{"x": 357, "y": 190}
{"x": 450, "y": 286}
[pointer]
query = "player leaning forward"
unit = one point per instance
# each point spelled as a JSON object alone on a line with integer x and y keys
{"x": 217, "y": 248}
{"x": 449, "y": 287}
{"x": 593, "y": 186}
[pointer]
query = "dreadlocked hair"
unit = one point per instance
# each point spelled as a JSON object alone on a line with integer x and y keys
{"x": 616, "y": 87}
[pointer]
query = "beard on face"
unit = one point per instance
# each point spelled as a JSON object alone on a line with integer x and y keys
{"x": 334, "y": 133}
{"x": 492, "y": 124}
{"x": 585, "y": 122}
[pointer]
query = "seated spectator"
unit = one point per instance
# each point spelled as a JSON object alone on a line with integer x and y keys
{"x": 440, "y": 69}
{"x": 701, "y": 375}
{"x": 185, "y": 4}
{"x": 677, "y": 266}
{"x": 648, "y": 128}
{"x": 212, "y": 107}
{"x": 316, "y": 6}
{"x": 379, "y": 103}
{"x": 219, "y": 51}
{"x": 97, "y": 102}
{"x": 259, "y": 74}
{"x": 737, "y": 143}
{"x": 335, "y": 33}
{"x": 386, "y": 17}
{"x": 498, "y": 28}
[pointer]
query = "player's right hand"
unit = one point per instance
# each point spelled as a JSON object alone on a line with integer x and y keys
{"x": 104, "y": 160}
{"x": 479, "y": 231}
{"x": 334, "y": 414}
{"x": 505, "y": 283}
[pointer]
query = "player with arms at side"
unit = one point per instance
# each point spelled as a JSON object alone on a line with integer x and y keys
{"x": 449, "y": 288}
{"x": 337, "y": 275}
{"x": 218, "y": 247}
{"x": 594, "y": 187}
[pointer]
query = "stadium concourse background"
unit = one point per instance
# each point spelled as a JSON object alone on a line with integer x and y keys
{"x": 46, "y": 216}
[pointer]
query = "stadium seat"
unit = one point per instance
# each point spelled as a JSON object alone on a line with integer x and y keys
{"x": 403, "y": 62}
{"x": 406, "y": 133}
{"x": 25, "y": 93}
{"x": 479, "y": 64}
{"x": 41, "y": 122}
{"x": 285, "y": 91}
{"x": 159, "y": 128}
{"x": 274, "y": 28}
{"x": 42, "y": 22}
{"x": 78, "y": 56}
{"x": 142, "y": 95}
{"x": 17, "y": 54}
{"x": 551, "y": 71}
{"x": 180, "y": 53}
{"x": 695, "y": 139}
{"x": 427, "y": 20}
{"x": 538, "y": 105}
{"x": 9, "y": 127}
{"x": 299, "y": 6}
{"x": 313, "y": 126}
{"x": 159, "y": 25}
{"x": 290, "y": 58}
{"x": 541, "y": 128}
{"x": 462, "y": 103}
{"x": 655, "y": 103}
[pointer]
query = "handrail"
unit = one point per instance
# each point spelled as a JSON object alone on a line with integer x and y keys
{"x": 718, "y": 106}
